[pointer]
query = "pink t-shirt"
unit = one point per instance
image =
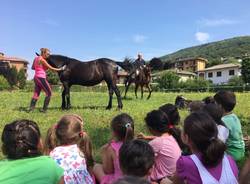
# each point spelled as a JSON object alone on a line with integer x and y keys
{"x": 167, "y": 152}
{"x": 40, "y": 70}
{"x": 187, "y": 170}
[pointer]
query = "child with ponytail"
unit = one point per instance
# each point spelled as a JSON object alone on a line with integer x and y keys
{"x": 208, "y": 162}
{"x": 164, "y": 144}
{"x": 122, "y": 127}
{"x": 73, "y": 151}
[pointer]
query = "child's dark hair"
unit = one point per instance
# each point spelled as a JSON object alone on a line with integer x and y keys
{"x": 158, "y": 121}
{"x": 196, "y": 106}
{"x": 69, "y": 131}
{"x": 131, "y": 180}
{"x": 20, "y": 139}
{"x": 202, "y": 131}
{"x": 136, "y": 158}
{"x": 226, "y": 99}
{"x": 172, "y": 113}
{"x": 123, "y": 127}
{"x": 215, "y": 112}
{"x": 208, "y": 100}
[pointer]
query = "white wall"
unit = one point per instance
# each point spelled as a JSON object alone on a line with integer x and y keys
{"x": 224, "y": 75}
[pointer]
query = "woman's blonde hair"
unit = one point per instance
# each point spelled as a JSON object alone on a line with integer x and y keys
{"x": 44, "y": 50}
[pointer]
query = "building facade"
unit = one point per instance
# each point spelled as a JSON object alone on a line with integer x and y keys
{"x": 220, "y": 74}
{"x": 190, "y": 64}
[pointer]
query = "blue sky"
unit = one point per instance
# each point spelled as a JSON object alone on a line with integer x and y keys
{"x": 88, "y": 29}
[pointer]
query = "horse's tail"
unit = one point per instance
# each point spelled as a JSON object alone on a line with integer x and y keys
{"x": 126, "y": 66}
{"x": 121, "y": 64}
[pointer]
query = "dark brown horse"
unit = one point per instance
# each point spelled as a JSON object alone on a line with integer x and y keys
{"x": 142, "y": 79}
{"x": 87, "y": 74}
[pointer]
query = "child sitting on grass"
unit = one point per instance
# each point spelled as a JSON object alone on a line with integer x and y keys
{"x": 208, "y": 163}
{"x": 165, "y": 146}
{"x": 74, "y": 150}
{"x": 136, "y": 159}
{"x": 122, "y": 127}
{"x": 235, "y": 143}
{"x": 22, "y": 146}
{"x": 216, "y": 113}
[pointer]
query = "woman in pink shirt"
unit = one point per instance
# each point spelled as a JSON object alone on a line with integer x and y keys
{"x": 40, "y": 66}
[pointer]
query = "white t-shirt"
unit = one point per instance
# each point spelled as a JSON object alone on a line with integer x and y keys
{"x": 223, "y": 133}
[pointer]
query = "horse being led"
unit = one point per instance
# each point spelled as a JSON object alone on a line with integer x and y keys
{"x": 87, "y": 74}
{"x": 142, "y": 79}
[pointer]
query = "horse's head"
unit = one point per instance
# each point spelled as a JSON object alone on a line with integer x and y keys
{"x": 57, "y": 61}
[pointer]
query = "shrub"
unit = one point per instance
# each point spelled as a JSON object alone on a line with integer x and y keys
{"x": 21, "y": 78}
{"x": 236, "y": 81}
{"x": 52, "y": 77}
{"x": 3, "y": 83}
{"x": 12, "y": 76}
{"x": 168, "y": 80}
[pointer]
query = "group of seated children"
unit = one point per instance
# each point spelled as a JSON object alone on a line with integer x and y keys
{"x": 205, "y": 151}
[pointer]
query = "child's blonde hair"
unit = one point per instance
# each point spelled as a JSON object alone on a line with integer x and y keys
{"x": 69, "y": 130}
{"x": 50, "y": 141}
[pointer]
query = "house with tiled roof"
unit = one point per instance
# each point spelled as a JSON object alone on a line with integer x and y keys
{"x": 220, "y": 74}
{"x": 9, "y": 61}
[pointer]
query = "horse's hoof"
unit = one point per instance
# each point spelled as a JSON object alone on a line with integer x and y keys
{"x": 108, "y": 108}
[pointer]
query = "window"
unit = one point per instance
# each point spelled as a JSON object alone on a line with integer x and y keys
{"x": 218, "y": 74}
{"x": 210, "y": 74}
{"x": 231, "y": 72}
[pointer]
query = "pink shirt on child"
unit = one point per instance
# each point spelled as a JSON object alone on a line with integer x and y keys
{"x": 167, "y": 152}
{"x": 40, "y": 69}
{"x": 187, "y": 170}
{"x": 110, "y": 178}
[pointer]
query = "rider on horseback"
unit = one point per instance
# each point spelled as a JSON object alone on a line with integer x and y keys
{"x": 138, "y": 64}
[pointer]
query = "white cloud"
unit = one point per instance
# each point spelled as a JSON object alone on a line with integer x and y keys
{"x": 217, "y": 22}
{"x": 202, "y": 37}
{"x": 139, "y": 38}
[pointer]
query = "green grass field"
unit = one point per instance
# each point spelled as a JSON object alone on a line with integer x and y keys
{"x": 91, "y": 106}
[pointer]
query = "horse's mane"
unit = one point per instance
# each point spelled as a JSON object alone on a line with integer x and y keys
{"x": 63, "y": 58}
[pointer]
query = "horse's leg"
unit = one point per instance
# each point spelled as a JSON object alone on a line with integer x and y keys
{"x": 142, "y": 91}
{"x": 66, "y": 88}
{"x": 63, "y": 98}
{"x": 126, "y": 88}
{"x": 118, "y": 95}
{"x": 68, "y": 98}
{"x": 149, "y": 90}
{"x": 136, "y": 88}
{"x": 111, "y": 92}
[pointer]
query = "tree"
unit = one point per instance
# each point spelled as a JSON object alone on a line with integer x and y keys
{"x": 245, "y": 70}
{"x": 12, "y": 76}
{"x": 21, "y": 78}
{"x": 168, "y": 80}
{"x": 156, "y": 64}
{"x": 52, "y": 77}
